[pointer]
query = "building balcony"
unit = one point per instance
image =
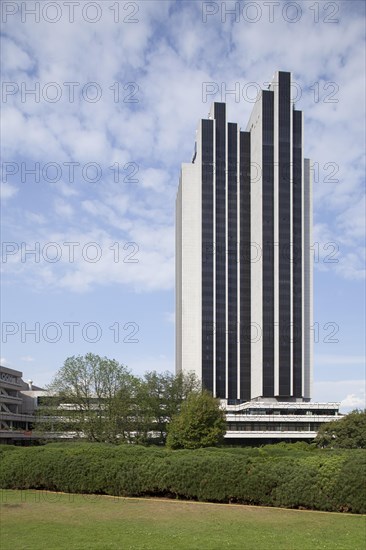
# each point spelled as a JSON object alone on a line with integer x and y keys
{"x": 11, "y": 385}
{"x": 10, "y": 399}
{"x": 20, "y": 417}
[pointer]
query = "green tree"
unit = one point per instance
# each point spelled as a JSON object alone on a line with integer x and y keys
{"x": 347, "y": 433}
{"x": 200, "y": 423}
{"x": 179, "y": 387}
{"x": 159, "y": 397}
{"x": 90, "y": 396}
{"x": 98, "y": 399}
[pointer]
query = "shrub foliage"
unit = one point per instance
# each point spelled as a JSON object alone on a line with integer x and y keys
{"x": 313, "y": 479}
{"x": 200, "y": 423}
{"x": 347, "y": 433}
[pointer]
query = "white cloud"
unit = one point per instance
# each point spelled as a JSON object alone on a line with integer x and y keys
{"x": 352, "y": 220}
{"x": 345, "y": 392}
{"x": 16, "y": 58}
{"x": 353, "y": 401}
{"x": 63, "y": 209}
{"x": 7, "y": 191}
{"x": 65, "y": 190}
{"x": 143, "y": 257}
{"x": 35, "y": 217}
{"x": 155, "y": 179}
{"x": 352, "y": 264}
{"x": 27, "y": 359}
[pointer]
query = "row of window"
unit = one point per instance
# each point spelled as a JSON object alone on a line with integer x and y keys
{"x": 273, "y": 427}
{"x": 282, "y": 412}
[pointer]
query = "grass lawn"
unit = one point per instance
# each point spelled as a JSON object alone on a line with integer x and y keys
{"x": 50, "y": 521}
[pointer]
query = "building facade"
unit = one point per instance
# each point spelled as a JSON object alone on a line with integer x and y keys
{"x": 18, "y": 402}
{"x": 271, "y": 421}
{"x": 243, "y": 260}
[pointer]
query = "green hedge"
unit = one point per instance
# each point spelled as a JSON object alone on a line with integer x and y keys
{"x": 288, "y": 476}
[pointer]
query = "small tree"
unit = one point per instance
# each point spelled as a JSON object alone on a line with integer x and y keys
{"x": 200, "y": 423}
{"x": 347, "y": 433}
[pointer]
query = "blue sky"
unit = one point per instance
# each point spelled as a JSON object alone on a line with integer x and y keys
{"x": 118, "y": 96}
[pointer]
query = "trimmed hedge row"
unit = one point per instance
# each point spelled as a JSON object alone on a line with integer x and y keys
{"x": 315, "y": 479}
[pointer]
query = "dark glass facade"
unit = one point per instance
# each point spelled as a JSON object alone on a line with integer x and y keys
{"x": 228, "y": 291}
{"x": 284, "y": 234}
{"x": 225, "y": 167}
{"x": 297, "y": 301}
{"x": 207, "y": 254}
{"x": 232, "y": 259}
{"x": 220, "y": 243}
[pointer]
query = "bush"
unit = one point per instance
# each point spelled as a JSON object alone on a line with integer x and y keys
{"x": 200, "y": 423}
{"x": 347, "y": 433}
{"x": 272, "y": 476}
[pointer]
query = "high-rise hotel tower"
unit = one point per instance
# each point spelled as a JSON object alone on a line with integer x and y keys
{"x": 243, "y": 263}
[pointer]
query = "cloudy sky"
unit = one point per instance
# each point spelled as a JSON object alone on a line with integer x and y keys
{"x": 100, "y": 104}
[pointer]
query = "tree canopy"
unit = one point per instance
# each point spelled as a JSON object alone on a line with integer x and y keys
{"x": 347, "y": 433}
{"x": 89, "y": 396}
{"x": 99, "y": 399}
{"x": 200, "y": 423}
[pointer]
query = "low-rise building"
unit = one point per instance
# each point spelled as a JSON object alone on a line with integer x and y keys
{"x": 249, "y": 423}
{"x": 18, "y": 401}
{"x": 271, "y": 421}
